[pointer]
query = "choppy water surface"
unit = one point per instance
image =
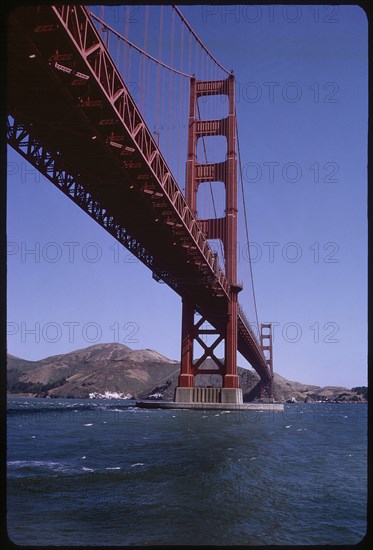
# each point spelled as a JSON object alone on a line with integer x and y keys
{"x": 103, "y": 472}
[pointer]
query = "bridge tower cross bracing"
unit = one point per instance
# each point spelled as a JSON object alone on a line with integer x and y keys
{"x": 225, "y": 229}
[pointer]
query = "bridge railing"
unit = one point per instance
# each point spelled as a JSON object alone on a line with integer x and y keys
{"x": 77, "y": 23}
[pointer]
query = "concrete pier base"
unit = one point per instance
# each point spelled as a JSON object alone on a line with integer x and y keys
{"x": 184, "y": 395}
{"x": 208, "y": 395}
{"x": 228, "y": 399}
{"x": 270, "y": 407}
{"x": 231, "y": 395}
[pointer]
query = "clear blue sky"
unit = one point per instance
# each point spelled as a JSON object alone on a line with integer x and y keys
{"x": 301, "y": 75}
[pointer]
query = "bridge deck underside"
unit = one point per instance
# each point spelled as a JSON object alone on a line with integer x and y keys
{"x": 50, "y": 103}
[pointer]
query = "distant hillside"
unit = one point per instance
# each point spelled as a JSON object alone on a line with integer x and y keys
{"x": 116, "y": 368}
{"x": 112, "y": 367}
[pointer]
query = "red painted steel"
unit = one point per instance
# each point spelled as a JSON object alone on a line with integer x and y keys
{"x": 63, "y": 91}
{"x": 224, "y": 229}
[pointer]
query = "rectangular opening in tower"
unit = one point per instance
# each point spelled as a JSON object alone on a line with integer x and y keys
{"x": 211, "y": 149}
{"x": 211, "y": 200}
{"x": 212, "y": 107}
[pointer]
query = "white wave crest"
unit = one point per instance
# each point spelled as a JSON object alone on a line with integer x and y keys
{"x": 110, "y": 395}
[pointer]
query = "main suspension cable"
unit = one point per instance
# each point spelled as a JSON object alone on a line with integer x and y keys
{"x": 140, "y": 50}
{"x": 199, "y": 40}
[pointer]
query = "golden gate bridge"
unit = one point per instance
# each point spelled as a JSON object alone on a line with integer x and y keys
{"x": 108, "y": 118}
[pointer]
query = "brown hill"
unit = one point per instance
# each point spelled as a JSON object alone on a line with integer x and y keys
{"x": 98, "y": 368}
{"x": 139, "y": 374}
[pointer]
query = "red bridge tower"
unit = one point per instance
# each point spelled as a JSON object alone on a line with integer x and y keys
{"x": 225, "y": 229}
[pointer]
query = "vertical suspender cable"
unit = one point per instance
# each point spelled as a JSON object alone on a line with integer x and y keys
{"x": 158, "y": 76}
{"x": 170, "y": 75}
{"x": 129, "y": 66}
{"x": 246, "y": 226}
{"x": 143, "y": 68}
{"x": 149, "y": 91}
{"x": 102, "y": 15}
{"x": 118, "y": 53}
{"x": 126, "y": 50}
{"x": 179, "y": 118}
{"x": 190, "y": 54}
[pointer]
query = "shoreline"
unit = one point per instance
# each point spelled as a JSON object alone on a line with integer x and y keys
{"x": 166, "y": 403}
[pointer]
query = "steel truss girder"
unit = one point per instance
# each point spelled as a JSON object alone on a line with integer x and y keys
{"x": 51, "y": 165}
{"x": 78, "y": 25}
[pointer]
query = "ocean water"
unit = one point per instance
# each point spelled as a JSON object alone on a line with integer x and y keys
{"x": 103, "y": 472}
